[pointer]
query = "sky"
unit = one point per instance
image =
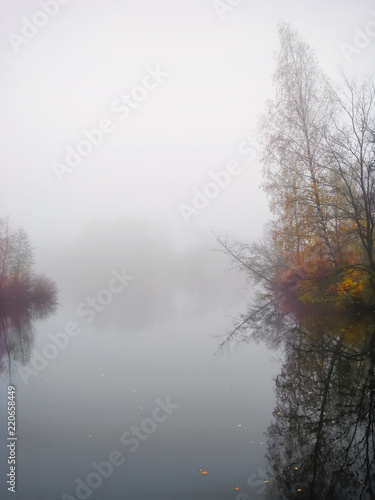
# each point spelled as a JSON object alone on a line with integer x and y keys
{"x": 161, "y": 99}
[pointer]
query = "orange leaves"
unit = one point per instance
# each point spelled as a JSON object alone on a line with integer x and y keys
{"x": 353, "y": 286}
{"x": 348, "y": 285}
{"x": 314, "y": 278}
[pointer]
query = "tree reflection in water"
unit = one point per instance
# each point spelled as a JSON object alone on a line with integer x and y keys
{"x": 321, "y": 442}
{"x": 16, "y": 332}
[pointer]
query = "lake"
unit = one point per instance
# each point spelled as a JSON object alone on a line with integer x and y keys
{"x": 145, "y": 378}
{"x": 124, "y": 392}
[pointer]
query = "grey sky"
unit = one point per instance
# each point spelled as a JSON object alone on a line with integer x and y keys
{"x": 67, "y": 78}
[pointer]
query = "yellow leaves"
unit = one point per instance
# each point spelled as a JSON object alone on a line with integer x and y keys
{"x": 362, "y": 223}
{"x": 353, "y": 286}
{"x": 316, "y": 280}
{"x": 348, "y": 285}
{"x": 203, "y": 471}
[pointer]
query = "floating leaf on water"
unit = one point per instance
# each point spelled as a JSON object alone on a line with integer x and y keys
{"x": 202, "y": 471}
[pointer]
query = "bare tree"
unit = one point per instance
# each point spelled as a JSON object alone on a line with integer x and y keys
{"x": 21, "y": 258}
{"x": 351, "y": 155}
{"x": 6, "y": 245}
{"x": 294, "y": 157}
{"x": 318, "y": 165}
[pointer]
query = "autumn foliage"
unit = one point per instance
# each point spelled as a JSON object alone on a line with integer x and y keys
{"x": 18, "y": 283}
{"x": 318, "y": 165}
{"x": 315, "y": 280}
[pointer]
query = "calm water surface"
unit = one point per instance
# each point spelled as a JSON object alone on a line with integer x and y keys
{"x": 207, "y": 438}
{"x": 138, "y": 402}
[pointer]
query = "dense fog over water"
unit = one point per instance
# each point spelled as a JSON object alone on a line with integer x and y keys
{"x": 172, "y": 273}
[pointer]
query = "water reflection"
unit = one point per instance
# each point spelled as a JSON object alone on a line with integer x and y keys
{"x": 321, "y": 442}
{"x": 17, "y": 334}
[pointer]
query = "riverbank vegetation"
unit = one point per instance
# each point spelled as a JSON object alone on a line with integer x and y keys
{"x": 19, "y": 284}
{"x": 318, "y": 159}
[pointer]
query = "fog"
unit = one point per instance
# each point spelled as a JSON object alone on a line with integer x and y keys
{"x": 173, "y": 274}
{"x": 216, "y": 68}
{"x": 129, "y": 139}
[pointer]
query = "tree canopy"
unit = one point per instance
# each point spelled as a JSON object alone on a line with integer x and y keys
{"x": 18, "y": 282}
{"x": 318, "y": 142}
